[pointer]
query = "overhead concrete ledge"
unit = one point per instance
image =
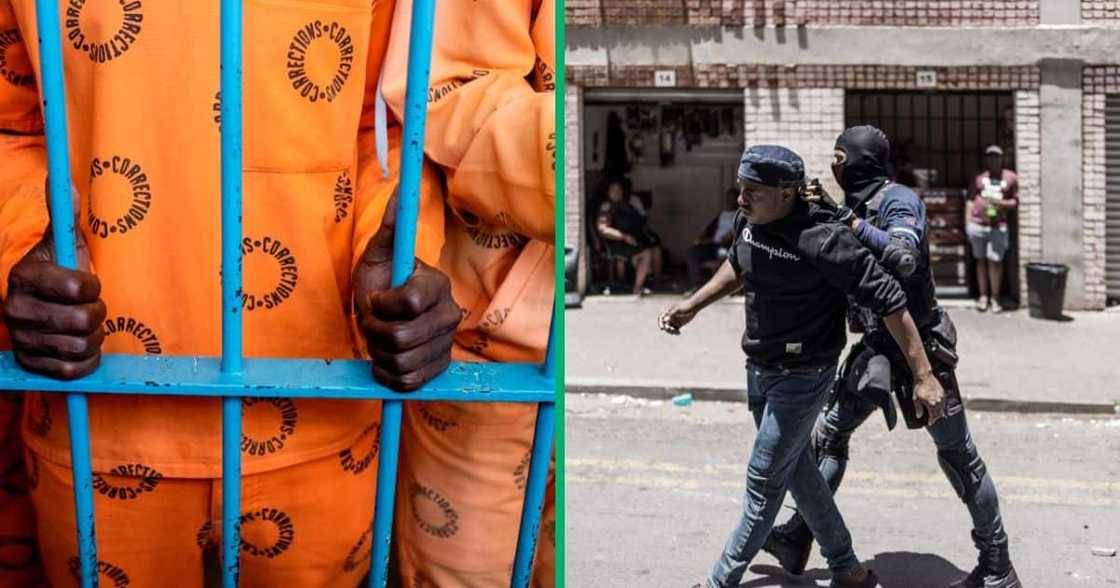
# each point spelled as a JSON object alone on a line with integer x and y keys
{"x": 864, "y": 45}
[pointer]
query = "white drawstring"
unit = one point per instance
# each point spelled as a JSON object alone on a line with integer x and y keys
{"x": 381, "y": 128}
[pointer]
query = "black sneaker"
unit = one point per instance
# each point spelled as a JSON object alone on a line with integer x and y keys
{"x": 790, "y": 544}
{"x": 870, "y": 581}
{"x": 982, "y": 578}
{"x": 993, "y": 568}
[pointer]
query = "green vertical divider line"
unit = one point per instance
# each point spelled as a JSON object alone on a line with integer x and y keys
{"x": 561, "y": 167}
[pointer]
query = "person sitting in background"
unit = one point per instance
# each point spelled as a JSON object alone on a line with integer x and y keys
{"x": 712, "y": 244}
{"x": 993, "y": 194}
{"x": 628, "y": 231}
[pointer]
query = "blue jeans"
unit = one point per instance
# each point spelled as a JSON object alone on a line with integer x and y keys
{"x": 785, "y": 404}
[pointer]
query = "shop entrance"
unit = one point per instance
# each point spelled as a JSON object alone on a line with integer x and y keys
{"x": 676, "y": 152}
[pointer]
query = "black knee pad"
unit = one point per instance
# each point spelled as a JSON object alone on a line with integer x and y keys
{"x": 964, "y": 469}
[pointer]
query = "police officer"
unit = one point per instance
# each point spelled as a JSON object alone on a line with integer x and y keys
{"x": 890, "y": 220}
{"x": 796, "y": 267}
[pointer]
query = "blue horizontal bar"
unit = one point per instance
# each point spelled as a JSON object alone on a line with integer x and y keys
{"x": 292, "y": 378}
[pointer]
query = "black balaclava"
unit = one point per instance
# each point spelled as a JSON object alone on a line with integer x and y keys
{"x": 864, "y": 169}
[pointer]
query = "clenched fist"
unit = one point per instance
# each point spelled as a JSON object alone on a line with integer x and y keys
{"x": 408, "y": 329}
{"x": 54, "y": 315}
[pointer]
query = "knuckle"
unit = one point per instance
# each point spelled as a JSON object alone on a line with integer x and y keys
{"x": 414, "y": 301}
{"x": 69, "y": 371}
{"x": 391, "y": 362}
{"x": 412, "y": 380}
{"x": 400, "y": 336}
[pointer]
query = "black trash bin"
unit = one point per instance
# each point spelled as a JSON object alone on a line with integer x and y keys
{"x": 1046, "y": 285}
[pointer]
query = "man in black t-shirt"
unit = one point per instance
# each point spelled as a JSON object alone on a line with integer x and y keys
{"x": 796, "y": 267}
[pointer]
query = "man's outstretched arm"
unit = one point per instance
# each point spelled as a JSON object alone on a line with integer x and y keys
{"x": 723, "y": 283}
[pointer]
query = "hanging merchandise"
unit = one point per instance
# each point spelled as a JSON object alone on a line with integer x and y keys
{"x": 711, "y": 122}
{"x": 693, "y": 129}
{"x": 633, "y": 117}
{"x": 616, "y": 163}
{"x": 727, "y": 122}
{"x": 667, "y": 144}
{"x": 637, "y": 147}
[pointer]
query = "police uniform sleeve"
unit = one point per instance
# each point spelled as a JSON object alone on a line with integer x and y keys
{"x": 23, "y": 207}
{"x": 849, "y": 266}
{"x": 904, "y": 217}
{"x": 491, "y": 108}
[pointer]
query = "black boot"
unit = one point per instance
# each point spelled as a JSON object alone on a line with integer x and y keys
{"x": 993, "y": 569}
{"x": 790, "y": 544}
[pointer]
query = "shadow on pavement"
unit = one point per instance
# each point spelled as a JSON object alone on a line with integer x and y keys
{"x": 896, "y": 569}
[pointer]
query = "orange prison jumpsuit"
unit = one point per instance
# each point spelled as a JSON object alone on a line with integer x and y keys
{"x": 142, "y": 95}
{"x": 491, "y": 130}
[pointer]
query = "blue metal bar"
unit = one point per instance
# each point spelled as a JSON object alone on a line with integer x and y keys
{"x": 534, "y": 496}
{"x": 231, "y": 362}
{"x": 231, "y": 490}
{"x": 81, "y": 464}
{"x": 231, "y": 185}
{"x": 404, "y": 253}
{"x": 549, "y": 366}
{"x": 290, "y": 378}
{"x": 65, "y": 251}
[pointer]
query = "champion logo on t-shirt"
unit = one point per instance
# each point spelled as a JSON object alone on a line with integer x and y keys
{"x": 773, "y": 251}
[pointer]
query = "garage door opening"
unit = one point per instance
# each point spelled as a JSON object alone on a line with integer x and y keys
{"x": 937, "y": 144}
{"x": 675, "y": 153}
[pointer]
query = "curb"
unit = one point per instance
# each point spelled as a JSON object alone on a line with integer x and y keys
{"x": 726, "y": 394}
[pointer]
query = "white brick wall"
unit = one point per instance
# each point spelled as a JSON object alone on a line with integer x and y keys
{"x": 573, "y": 176}
{"x": 807, "y": 120}
{"x": 1028, "y": 160}
{"x": 1093, "y": 197}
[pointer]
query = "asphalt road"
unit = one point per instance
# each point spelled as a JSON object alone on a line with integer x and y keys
{"x": 653, "y": 489}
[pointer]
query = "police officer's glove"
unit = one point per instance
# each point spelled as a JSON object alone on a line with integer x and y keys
{"x": 408, "y": 329}
{"x": 55, "y": 315}
{"x": 815, "y": 192}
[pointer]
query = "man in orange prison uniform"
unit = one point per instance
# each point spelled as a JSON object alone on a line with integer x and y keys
{"x": 491, "y": 130}
{"x": 142, "y": 99}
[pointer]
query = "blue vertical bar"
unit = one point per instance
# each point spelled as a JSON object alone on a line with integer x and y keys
{"x": 231, "y": 490}
{"x": 549, "y": 367}
{"x": 65, "y": 251}
{"x": 231, "y": 44}
{"x": 404, "y": 253}
{"x": 534, "y": 496}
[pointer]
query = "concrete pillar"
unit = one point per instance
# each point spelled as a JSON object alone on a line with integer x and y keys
{"x": 1061, "y": 173}
{"x": 1059, "y": 12}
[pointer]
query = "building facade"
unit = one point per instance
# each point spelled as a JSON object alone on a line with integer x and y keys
{"x": 945, "y": 78}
